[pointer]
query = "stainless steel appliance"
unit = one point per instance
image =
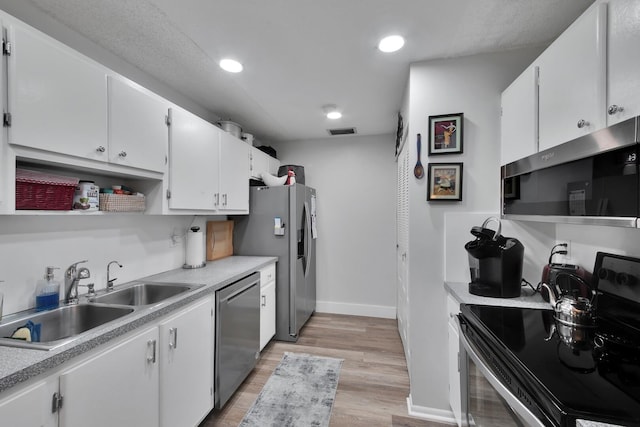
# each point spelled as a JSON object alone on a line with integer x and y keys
{"x": 282, "y": 224}
{"x": 524, "y": 366}
{"x": 237, "y": 335}
{"x": 590, "y": 180}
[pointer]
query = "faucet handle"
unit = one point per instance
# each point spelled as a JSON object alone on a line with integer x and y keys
{"x": 73, "y": 266}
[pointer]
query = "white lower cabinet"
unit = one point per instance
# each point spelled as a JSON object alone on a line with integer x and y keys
{"x": 31, "y": 406}
{"x": 455, "y": 397}
{"x": 119, "y": 387}
{"x": 267, "y": 304}
{"x": 186, "y": 365}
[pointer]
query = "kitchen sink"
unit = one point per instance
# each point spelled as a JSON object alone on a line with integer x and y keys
{"x": 61, "y": 325}
{"x": 143, "y": 293}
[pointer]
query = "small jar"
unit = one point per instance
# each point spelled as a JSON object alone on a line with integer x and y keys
{"x": 86, "y": 196}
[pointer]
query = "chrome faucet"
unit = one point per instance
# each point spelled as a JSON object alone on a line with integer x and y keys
{"x": 72, "y": 276}
{"x": 109, "y": 279}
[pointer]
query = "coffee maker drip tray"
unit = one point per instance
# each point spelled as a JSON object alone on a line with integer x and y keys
{"x": 491, "y": 290}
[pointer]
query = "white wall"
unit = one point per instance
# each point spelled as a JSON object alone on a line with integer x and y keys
{"x": 471, "y": 85}
{"x": 142, "y": 244}
{"x": 355, "y": 178}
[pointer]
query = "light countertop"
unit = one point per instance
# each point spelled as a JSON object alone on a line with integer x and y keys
{"x": 18, "y": 364}
{"x": 527, "y": 298}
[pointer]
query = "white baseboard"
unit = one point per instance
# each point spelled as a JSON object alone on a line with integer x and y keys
{"x": 430, "y": 414}
{"x": 381, "y": 311}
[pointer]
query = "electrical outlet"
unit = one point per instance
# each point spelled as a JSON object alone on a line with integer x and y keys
{"x": 176, "y": 238}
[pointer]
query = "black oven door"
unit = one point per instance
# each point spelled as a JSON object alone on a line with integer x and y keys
{"x": 490, "y": 394}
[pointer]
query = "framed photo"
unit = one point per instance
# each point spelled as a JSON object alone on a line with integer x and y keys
{"x": 444, "y": 181}
{"x": 445, "y": 134}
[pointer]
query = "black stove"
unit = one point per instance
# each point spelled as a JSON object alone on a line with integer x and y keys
{"x": 580, "y": 373}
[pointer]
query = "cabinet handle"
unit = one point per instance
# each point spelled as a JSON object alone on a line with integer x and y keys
{"x": 264, "y": 300}
{"x": 101, "y": 149}
{"x": 217, "y": 197}
{"x": 613, "y": 109}
{"x": 225, "y": 199}
{"x": 122, "y": 154}
{"x": 582, "y": 123}
{"x": 151, "y": 358}
{"x": 173, "y": 338}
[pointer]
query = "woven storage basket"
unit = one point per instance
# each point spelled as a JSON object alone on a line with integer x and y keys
{"x": 44, "y": 191}
{"x": 122, "y": 203}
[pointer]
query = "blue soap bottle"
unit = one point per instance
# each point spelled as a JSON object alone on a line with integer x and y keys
{"x": 47, "y": 291}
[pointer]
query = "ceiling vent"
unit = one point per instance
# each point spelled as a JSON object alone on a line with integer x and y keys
{"x": 343, "y": 131}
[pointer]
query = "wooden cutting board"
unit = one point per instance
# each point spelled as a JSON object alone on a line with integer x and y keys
{"x": 219, "y": 239}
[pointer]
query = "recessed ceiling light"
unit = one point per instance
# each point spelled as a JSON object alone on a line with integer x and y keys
{"x": 331, "y": 111}
{"x": 391, "y": 43}
{"x": 231, "y": 65}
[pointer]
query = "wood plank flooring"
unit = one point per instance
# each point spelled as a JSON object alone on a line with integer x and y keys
{"x": 373, "y": 385}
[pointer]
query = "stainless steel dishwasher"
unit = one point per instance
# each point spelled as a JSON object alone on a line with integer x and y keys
{"x": 237, "y": 335}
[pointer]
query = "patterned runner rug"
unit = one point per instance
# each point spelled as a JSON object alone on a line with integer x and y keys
{"x": 299, "y": 393}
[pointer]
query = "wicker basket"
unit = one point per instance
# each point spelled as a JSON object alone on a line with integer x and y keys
{"x": 44, "y": 191}
{"x": 122, "y": 203}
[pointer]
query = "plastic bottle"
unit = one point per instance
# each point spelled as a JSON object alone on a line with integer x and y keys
{"x": 47, "y": 291}
{"x": 291, "y": 177}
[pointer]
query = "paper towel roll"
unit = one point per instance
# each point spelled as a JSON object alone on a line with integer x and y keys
{"x": 194, "y": 254}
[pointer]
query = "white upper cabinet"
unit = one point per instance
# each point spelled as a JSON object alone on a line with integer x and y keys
{"x": 623, "y": 42}
{"x": 519, "y": 123}
{"x": 57, "y": 97}
{"x": 193, "y": 162}
{"x": 234, "y": 174}
{"x": 572, "y": 80}
{"x": 138, "y": 131}
{"x": 259, "y": 163}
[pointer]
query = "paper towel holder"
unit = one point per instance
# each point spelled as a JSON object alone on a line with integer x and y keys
{"x": 194, "y": 250}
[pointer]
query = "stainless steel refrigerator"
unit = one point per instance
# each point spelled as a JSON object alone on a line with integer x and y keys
{"x": 282, "y": 223}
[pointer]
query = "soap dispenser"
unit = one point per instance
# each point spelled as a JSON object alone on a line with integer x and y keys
{"x": 47, "y": 291}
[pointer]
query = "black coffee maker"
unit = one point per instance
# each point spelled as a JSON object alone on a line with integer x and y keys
{"x": 495, "y": 262}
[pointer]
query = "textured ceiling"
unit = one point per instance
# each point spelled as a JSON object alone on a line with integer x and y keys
{"x": 302, "y": 54}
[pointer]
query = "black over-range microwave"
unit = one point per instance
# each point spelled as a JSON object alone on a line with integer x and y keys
{"x": 593, "y": 179}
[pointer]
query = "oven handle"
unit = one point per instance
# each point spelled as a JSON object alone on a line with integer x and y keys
{"x": 515, "y": 404}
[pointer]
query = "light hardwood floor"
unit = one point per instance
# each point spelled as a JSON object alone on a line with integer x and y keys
{"x": 373, "y": 385}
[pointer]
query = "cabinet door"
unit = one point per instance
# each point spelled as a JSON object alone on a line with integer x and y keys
{"x": 57, "y": 97}
{"x": 267, "y": 313}
{"x": 455, "y": 397}
{"x": 31, "y": 406}
{"x": 259, "y": 163}
{"x": 138, "y": 132}
{"x": 119, "y": 387}
{"x": 186, "y": 366}
{"x": 519, "y": 121}
{"x": 193, "y": 161}
{"x": 234, "y": 174}
{"x": 623, "y": 84}
{"x": 572, "y": 81}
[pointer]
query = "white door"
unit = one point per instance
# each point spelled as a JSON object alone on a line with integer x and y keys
{"x": 57, "y": 97}
{"x": 519, "y": 121}
{"x": 402, "y": 249}
{"x": 572, "y": 80}
{"x": 138, "y": 131}
{"x": 623, "y": 84}
{"x": 193, "y": 161}
{"x": 31, "y": 406}
{"x": 186, "y": 365}
{"x": 119, "y": 387}
{"x": 234, "y": 174}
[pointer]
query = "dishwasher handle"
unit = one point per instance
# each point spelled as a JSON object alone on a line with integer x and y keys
{"x": 235, "y": 294}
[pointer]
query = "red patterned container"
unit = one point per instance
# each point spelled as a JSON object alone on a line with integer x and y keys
{"x": 44, "y": 191}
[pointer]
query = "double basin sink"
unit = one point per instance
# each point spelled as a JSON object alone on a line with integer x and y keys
{"x": 67, "y": 323}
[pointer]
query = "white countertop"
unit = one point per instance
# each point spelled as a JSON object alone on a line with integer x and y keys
{"x": 19, "y": 364}
{"x": 527, "y": 298}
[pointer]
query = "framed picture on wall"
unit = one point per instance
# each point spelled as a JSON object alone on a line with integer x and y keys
{"x": 445, "y": 134}
{"x": 444, "y": 182}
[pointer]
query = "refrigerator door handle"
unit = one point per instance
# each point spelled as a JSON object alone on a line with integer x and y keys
{"x": 307, "y": 240}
